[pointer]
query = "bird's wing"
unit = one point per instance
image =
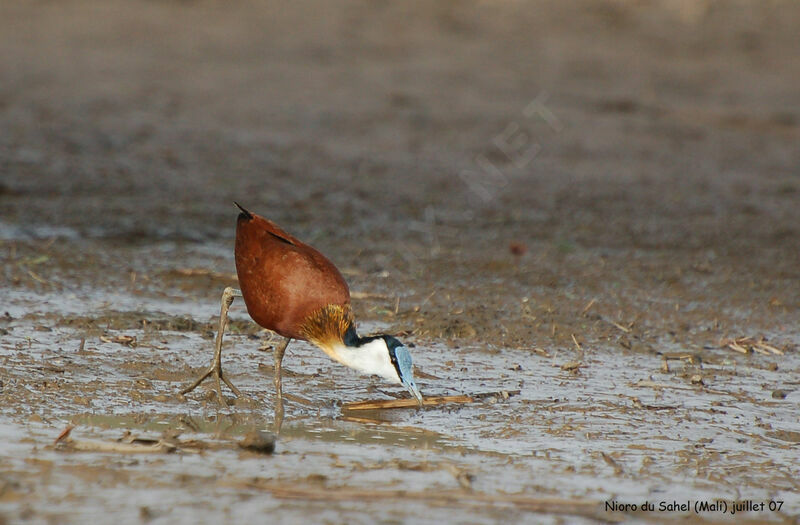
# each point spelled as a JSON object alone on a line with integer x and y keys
{"x": 267, "y": 225}
{"x": 274, "y": 230}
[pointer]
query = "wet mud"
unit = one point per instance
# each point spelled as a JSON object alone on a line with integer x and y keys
{"x": 584, "y": 217}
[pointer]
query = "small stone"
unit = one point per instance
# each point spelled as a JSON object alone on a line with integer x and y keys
{"x": 779, "y": 394}
{"x": 697, "y": 379}
{"x": 146, "y": 514}
{"x": 259, "y": 441}
{"x": 517, "y": 248}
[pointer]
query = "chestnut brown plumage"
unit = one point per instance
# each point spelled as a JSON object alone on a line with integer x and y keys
{"x": 284, "y": 281}
{"x": 292, "y": 289}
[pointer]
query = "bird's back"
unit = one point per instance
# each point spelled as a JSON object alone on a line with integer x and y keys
{"x": 283, "y": 280}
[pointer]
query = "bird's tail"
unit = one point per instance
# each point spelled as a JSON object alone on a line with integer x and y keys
{"x": 245, "y": 214}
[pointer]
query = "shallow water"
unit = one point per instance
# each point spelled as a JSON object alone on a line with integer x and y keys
{"x": 616, "y": 428}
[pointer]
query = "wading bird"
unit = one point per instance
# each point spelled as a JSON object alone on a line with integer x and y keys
{"x": 295, "y": 291}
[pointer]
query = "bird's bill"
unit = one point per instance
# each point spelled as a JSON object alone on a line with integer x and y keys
{"x": 412, "y": 387}
{"x": 406, "y": 370}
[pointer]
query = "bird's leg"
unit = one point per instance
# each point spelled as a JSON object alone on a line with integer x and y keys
{"x": 278, "y": 356}
{"x": 216, "y": 366}
{"x": 278, "y": 421}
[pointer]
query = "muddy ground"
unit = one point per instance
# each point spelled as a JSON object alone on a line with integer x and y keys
{"x": 588, "y": 212}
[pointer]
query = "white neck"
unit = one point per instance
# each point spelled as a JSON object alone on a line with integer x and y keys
{"x": 370, "y": 358}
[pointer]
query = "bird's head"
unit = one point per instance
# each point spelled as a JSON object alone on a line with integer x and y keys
{"x": 400, "y": 358}
{"x": 332, "y": 329}
{"x": 381, "y": 355}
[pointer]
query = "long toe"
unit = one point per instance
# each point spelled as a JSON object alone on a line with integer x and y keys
{"x": 197, "y": 381}
{"x": 219, "y": 378}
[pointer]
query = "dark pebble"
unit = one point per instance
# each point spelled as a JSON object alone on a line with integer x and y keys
{"x": 259, "y": 441}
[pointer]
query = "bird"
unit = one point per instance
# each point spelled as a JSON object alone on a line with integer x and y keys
{"x": 291, "y": 288}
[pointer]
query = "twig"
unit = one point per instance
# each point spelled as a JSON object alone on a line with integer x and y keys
{"x": 36, "y": 277}
{"x": 744, "y": 345}
{"x": 127, "y": 340}
{"x": 541, "y": 351}
{"x": 614, "y": 323}
{"x": 367, "y": 295}
{"x": 612, "y": 463}
{"x": 64, "y": 434}
{"x": 210, "y": 273}
{"x": 406, "y": 403}
{"x": 771, "y": 348}
{"x": 733, "y": 345}
{"x": 586, "y": 308}
{"x": 428, "y": 298}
